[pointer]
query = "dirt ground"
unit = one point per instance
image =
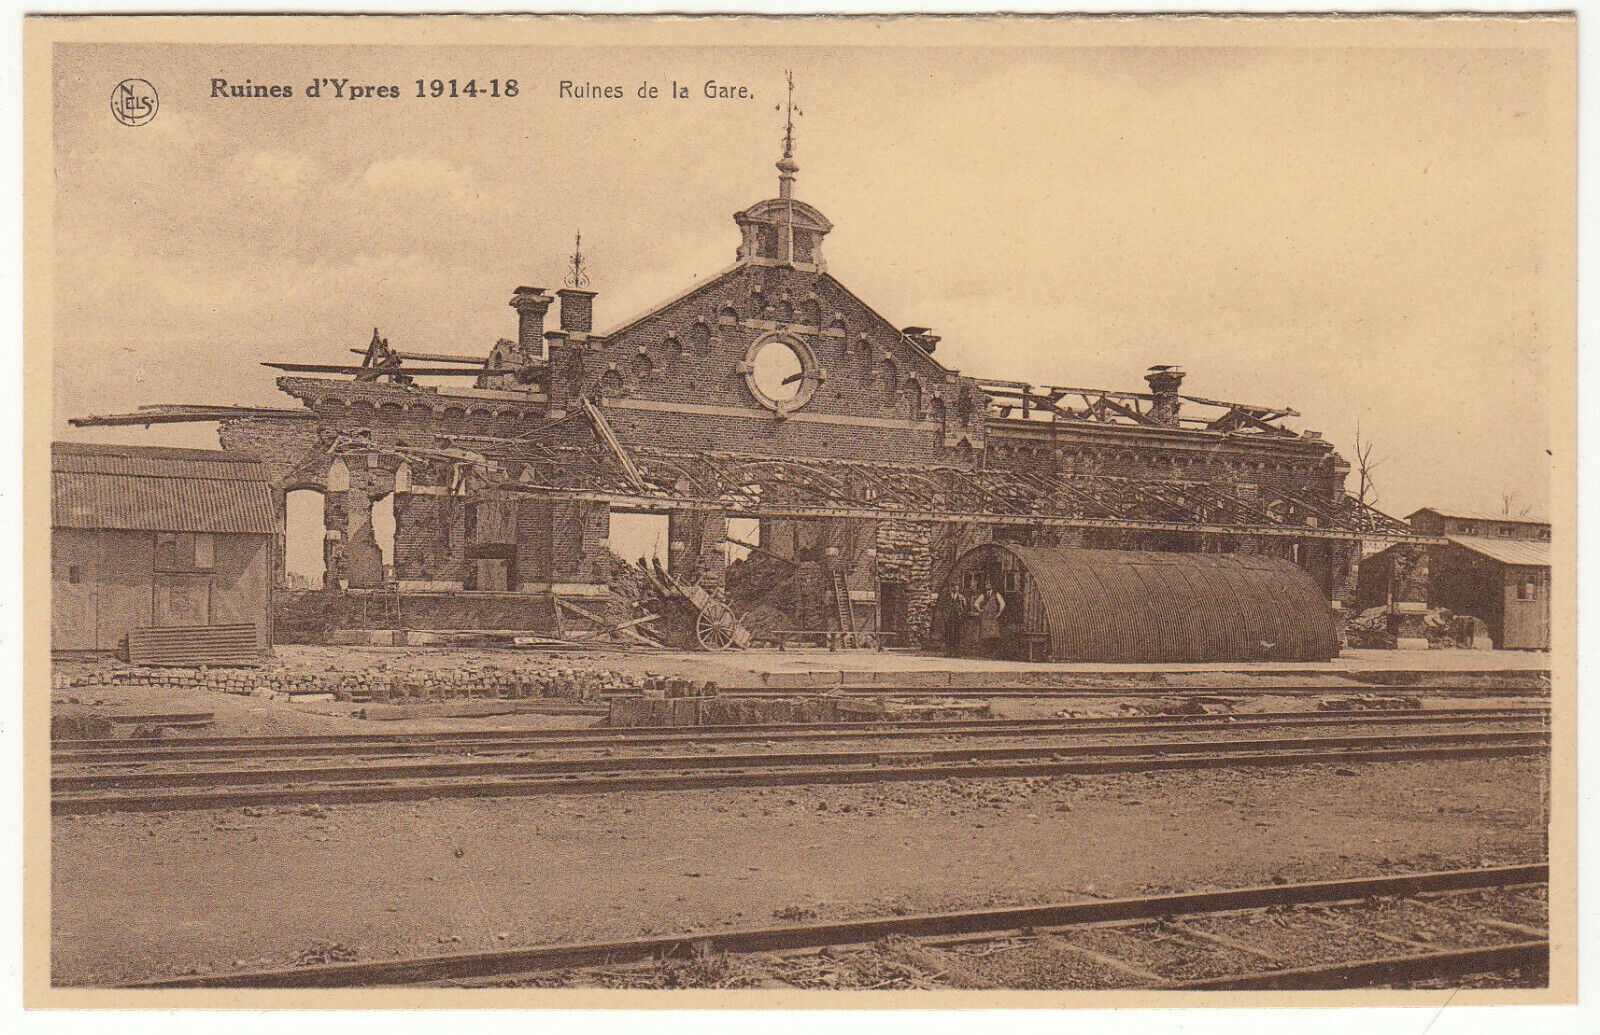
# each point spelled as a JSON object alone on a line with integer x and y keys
{"x": 142, "y": 895}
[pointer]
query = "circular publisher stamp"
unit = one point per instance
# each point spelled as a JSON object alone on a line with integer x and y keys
{"x": 134, "y": 102}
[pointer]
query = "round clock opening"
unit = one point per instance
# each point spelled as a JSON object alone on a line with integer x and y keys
{"x": 778, "y": 372}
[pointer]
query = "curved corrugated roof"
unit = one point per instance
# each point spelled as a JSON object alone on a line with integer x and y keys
{"x": 1128, "y": 605}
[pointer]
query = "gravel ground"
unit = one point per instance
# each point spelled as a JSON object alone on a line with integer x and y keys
{"x": 141, "y": 895}
{"x": 1119, "y": 955}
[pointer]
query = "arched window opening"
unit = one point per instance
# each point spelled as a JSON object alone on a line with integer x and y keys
{"x": 888, "y": 376}
{"x": 383, "y": 531}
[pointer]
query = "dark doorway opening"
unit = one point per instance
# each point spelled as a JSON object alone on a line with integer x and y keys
{"x": 892, "y": 618}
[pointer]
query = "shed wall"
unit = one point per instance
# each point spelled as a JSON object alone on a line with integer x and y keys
{"x": 117, "y": 587}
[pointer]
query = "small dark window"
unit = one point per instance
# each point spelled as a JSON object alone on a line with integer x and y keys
{"x": 1527, "y": 590}
{"x": 74, "y": 575}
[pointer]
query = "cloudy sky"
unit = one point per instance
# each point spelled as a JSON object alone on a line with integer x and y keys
{"x": 1370, "y": 235}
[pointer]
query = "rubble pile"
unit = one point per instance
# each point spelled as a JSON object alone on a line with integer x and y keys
{"x": 74, "y": 724}
{"x": 1369, "y": 703}
{"x": 1442, "y": 627}
{"x": 627, "y": 586}
{"x": 373, "y": 685}
{"x": 761, "y": 590}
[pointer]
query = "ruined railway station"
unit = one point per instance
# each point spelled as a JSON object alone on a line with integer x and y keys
{"x": 772, "y": 416}
{"x": 745, "y": 643}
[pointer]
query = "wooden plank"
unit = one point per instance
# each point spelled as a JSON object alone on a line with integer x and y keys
{"x": 603, "y": 428}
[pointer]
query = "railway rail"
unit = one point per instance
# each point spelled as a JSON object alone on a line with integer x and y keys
{"x": 383, "y": 781}
{"x": 1352, "y": 932}
{"x": 1047, "y": 692}
{"x": 132, "y": 752}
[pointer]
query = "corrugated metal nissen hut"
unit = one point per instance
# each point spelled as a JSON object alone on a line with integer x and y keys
{"x": 1069, "y": 604}
{"x": 150, "y": 538}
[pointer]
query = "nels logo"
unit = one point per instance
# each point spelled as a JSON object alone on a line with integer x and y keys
{"x": 134, "y": 102}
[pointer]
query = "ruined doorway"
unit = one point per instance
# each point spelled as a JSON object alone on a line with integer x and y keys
{"x": 304, "y": 564}
{"x": 892, "y": 614}
{"x": 641, "y": 535}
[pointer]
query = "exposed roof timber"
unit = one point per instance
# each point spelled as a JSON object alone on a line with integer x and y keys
{"x": 182, "y": 413}
{"x": 431, "y": 357}
{"x": 337, "y": 368}
{"x": 602, "y": 427}
{"x": 867, "y": 513}
{"x": 1053, "y": 393}
{"x": 760, "y": 485}
{"x": 1237, "y": 418}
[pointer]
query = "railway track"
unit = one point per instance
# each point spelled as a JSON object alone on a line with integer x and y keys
{"x": 1049, "y": 692}
{"x": 168, "y": 790}
{"x": 125, "y": 752}
{"x": 1384, "y": 930}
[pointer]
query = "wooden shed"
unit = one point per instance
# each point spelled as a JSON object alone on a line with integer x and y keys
{"x": 149, "y": 538}
{"x": 1065, "y": 604}
{"x": 1504, "y": 580}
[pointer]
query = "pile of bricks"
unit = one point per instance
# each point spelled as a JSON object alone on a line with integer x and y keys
{"x": 635, "y": 712}
{"x": 485, "y": 682}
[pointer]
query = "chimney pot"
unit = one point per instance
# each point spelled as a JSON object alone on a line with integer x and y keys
{"x": 531, "y": 303}
{"x": 1165, "y": 380}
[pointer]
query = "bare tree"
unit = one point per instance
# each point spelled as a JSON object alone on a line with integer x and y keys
{"x": 1366, "y": 489}
{"x": 1508, "y": 500}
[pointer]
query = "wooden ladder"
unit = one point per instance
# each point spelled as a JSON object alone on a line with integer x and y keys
{"x": 841, "y": 600}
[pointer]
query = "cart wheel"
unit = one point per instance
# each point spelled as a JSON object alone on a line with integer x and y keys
{"x": 715, "y": 625}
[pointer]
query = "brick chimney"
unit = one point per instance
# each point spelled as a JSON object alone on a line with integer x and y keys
{"x": 577, "y": 310}
{"x": 1164, "y": 381}
{"x": 531, "y": 303}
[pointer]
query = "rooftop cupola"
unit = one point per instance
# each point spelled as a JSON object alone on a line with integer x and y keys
{"x": 782, "y": 231}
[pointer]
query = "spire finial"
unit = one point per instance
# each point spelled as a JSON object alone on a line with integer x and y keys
{"x": 579, "y": 277}
{"x": 786, "y": 165}
{"x": 788, "y": 124}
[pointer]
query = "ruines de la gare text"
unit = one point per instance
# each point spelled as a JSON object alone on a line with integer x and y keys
{"x": 710, "y": 89}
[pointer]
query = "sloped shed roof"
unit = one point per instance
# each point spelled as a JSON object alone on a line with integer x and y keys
{"x": 1477, "y": 515}
{"x": 1531, "y": 553}
{"x": 1127, "y": 605}
{"x": 147, "y": 488}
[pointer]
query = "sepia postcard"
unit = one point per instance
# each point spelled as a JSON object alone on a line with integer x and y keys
{"x": 864, "y": 512}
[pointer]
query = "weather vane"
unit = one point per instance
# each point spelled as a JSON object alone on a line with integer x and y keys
{"x": 579, "y": 277}
{"x": 792, "y": 111}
